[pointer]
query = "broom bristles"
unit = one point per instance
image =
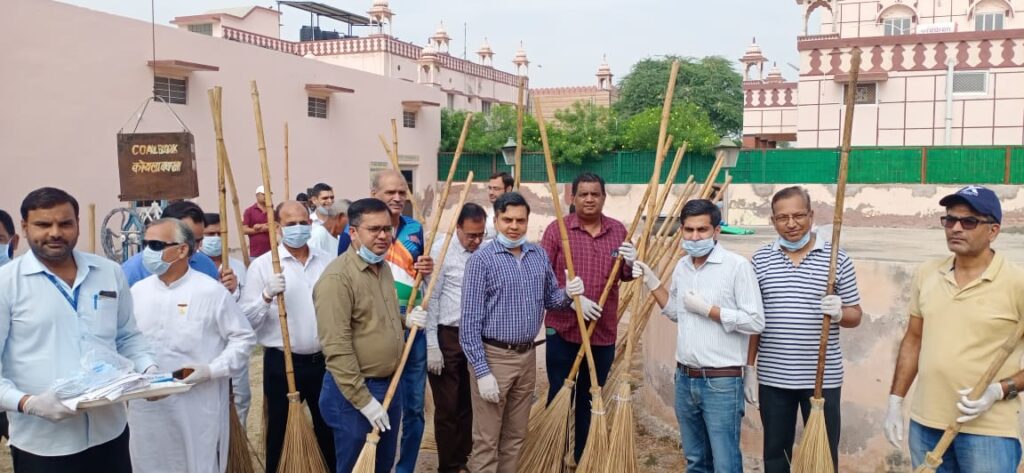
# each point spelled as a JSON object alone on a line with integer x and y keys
{"x": 813, "y": 454}
{"x": 536, "y": 413}
{"x": 546, "y": 443}
{"x": 621, "y": 443}
{"x": 367, "y": 461}
{"x": 594, "y": 454}
{"x": 239, "y": 459}
{"x": 301, "y": 452}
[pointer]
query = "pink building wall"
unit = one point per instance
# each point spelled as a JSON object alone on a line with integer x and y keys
{"x": 68, "y": 92}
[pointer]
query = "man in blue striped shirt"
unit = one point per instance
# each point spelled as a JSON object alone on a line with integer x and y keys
{"x": 506, "y": 288}
{"x": 793, "y": 275}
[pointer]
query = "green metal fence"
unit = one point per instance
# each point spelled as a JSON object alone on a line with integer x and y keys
{"x": 871, "y": 165}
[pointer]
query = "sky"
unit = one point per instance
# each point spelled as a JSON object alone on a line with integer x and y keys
{"x": 564, "y": 39}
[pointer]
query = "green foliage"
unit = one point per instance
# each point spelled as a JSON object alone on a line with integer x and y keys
{"x": 488, "y": 132}
{"x": 710, "y": 83}
{"x": 583, "y": 131}
{"x": 687, "y": 123}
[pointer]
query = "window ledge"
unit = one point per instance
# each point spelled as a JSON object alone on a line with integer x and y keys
{"x": 328, "y": 89}
{"x": 179, "y": 67}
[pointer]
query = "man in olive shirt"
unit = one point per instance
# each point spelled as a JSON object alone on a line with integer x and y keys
{"x": 361, "y": 333}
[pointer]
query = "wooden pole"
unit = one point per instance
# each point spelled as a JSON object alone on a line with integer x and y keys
{"x": 520, "y": 110}
{"x": 216, "y": 103}
{"x": 92, "y": 228}
{"x": 287, "y": 166}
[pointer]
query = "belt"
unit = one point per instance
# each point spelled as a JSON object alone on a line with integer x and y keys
{"x": 312, "y": 358}
{"x": 447, "y": 327}
{"x": 516, "y": 347}
{"x": 727, "y": 372}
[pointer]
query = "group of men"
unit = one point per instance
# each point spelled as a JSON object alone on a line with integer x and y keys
{"x": 746, "y": 330}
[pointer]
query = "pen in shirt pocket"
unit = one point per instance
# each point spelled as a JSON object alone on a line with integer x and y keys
{"x": 95, "y": 301}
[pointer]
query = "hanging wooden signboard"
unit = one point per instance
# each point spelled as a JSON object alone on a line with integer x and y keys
{"x": 157, "y": 166}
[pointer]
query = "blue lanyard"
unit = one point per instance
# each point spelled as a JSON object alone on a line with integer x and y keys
{"x": 71, "y": 298}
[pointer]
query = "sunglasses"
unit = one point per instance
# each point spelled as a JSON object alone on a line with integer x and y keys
{"x": 157, "y": 245}
{"x": 967, "y": 223}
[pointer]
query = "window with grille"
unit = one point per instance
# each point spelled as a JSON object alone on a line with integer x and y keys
{"x": 866, "y": 94}
{"x": 409, "y": 119}
{"x": 973, "y": 82}
{"x": 170, "y": 89}
{"x": 317, "y": 107}
{"x": 485, "y": 106}
{"x": 988, "y": 21}
{"x": 896, "y": 26}
{"x": 451, "y": 101}
{"x": 202, "y": 28}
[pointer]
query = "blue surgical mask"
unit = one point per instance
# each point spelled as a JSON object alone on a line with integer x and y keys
{"x": 699, "y": 248}
{"x": 154, "y": 262}
{"x": 795, "y": 245}
{"x": 369, "y": 256}
{"x": 5, "y": 253}
{"x": 296, "y": 236}
{"x": 510, "y": 243}
{"x": 211, "y": 246}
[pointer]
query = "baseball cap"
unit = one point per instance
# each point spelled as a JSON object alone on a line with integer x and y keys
{"x": 259, "y": 190}
{"x": 980, "y": 198}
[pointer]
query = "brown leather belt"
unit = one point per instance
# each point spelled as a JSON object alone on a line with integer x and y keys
{"x": 727, "y": 372}
{"x": 516, "y": 347}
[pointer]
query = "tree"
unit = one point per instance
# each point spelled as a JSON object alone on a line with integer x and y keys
{"x": 687, "y": 123}
{"x": 710, "y": 83}
{"x": 583, "y": 131}
{"x": 488, "y": 132}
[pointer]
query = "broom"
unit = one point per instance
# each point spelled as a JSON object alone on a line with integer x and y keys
{"x": 239, "y": 458}
{"x": 933, "y": 459}
{"x": 367, "y": 461}
{"x": 300, "y": 452}
{"x": 814, "y": 454}
{"x": 621, "y": 443}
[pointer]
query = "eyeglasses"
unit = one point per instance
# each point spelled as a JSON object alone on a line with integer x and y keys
{"x": 786, "y": 218}
{"x": 967, "y": 223}
{"x": 377, "y": 230}
{"x": 157, "y": 245}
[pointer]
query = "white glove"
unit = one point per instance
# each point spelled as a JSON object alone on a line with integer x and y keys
{"x": 574, "y": 286}
{"x": 832, "y": 306}
{"x": 417, "y": 317}
{"x": 628, "y": 252}
{"x": 375, "y": 413}
{"x": 640, "y": 269}
{"x": 750, "y": 385}
{"x": 200, "y": 373}
{"x": 489, "y": 388}
{"x": 894, "y": 421}
{"x": 47, "y": 406}
{"x": 435, "y": 362}
{"x": 591, "y": 311}
{"x": 696, "y": 304}
{"x": 972, "y": 409}
{"x": 275, "y": 286}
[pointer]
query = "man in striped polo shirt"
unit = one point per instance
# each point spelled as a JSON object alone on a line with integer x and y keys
{"x": 714, "y": 299}
{"x": 793, "y": 274}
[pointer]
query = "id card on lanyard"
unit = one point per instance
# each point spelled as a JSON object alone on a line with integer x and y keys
{"x": 71, "y": 298}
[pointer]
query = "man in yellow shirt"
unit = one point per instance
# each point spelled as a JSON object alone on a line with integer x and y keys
{"x": 962, "y": 308}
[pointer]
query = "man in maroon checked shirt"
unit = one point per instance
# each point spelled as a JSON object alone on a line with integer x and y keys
{"x": 595, "y": 240}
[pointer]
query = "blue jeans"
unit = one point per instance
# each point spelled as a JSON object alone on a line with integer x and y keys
{"x": 969, "y": 453}
{"x": 413, "y": 387}
{"x": 350, "y": 427}
{"x": 709, "y": 411}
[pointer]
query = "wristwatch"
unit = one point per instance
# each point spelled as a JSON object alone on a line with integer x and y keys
{"x": 1011, "y": 388}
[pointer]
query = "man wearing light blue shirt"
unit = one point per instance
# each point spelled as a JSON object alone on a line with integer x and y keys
{"x": 56, "y": 305}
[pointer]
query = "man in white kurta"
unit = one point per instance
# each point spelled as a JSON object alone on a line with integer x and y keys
{"x": 192, "y": 322}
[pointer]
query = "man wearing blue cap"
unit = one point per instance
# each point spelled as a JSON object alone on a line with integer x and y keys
{"x": 962, "y": 308}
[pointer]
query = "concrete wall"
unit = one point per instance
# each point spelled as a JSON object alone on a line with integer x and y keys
{"x": 68, "y": 92}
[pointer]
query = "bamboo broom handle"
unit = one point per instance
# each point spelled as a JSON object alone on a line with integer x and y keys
{"x": 666, "y": 109}
{"x": 837, "y": 219}
{"x": 417, "y": 211}
{"x": 268, "y": 199}
{"x": 660, "y": 243}
{"x": 720, "y": 196}
{"x": 216, "y": 108}
{"x": 222, "y": 207}
{"x": 92, "y": 228}
{"x": 934, "y": 458}
{"x": 287, "y": 166}
{"x": 393, "y": 385}
{"x": 519, "y": 132}
{"x": 566, "y": 249}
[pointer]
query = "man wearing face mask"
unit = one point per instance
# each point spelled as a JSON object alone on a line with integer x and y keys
{"x": 715, "y": 301}
{"x": 301, "y": 267}
{"x": 406, "y": 258}
{"x": 595, "y": 240}
{"x": 194, "y": 324}
{"x": 363, "y": 336}
{"x": 792, "y": 273}
{"x": 56, "y": 304}
{"x": 507, "y": 286}
{"x": 8, "y": 240}
{"x": 212, "y": 246}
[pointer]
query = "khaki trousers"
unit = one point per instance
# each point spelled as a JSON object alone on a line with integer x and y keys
{"x": 499, "y": 430}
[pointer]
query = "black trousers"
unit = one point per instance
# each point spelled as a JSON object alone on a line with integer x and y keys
{"x": 309, "y": 378}
{"x": 778, "y": 415}
{"x": 110, "y": 457}
{"x": 560, "y": 356}
{"x": 453, "y": 408}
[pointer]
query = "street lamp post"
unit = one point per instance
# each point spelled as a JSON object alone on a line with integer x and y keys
{"x": 508, "y": 153}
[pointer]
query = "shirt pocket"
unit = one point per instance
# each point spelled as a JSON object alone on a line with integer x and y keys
{"x": 183, "y": 335}
{"x": 101, "y": 318}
